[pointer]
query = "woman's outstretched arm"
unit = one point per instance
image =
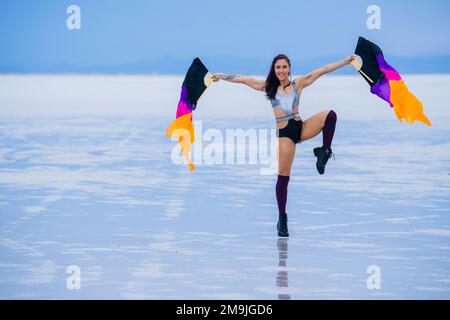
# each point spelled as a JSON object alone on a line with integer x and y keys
{"x": 309, "y": 79}
{"x": 251, "y": 82}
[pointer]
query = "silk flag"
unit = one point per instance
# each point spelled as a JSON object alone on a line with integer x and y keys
{"x": 387, "y": 83}
{"x": 196, "y": 81}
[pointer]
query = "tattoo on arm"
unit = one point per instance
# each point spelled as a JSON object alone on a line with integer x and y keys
{"x": 230, "y": 76}
{"x": 308, "y": 76}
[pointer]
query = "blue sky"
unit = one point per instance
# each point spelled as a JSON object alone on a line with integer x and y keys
{"x": 163, "y": 35}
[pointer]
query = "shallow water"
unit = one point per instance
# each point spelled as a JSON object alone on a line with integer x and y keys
{"x": 86, "y": 179}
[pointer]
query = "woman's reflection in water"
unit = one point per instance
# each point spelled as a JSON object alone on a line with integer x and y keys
{"x": 282, "y": 275}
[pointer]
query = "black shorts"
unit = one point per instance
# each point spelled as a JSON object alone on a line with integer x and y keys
{"x": 293, "y": 130}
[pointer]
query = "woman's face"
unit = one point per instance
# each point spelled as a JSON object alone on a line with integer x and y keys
{"x": 282, "y": 69}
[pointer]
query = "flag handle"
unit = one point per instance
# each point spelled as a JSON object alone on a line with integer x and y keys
{"x": 357, "y": 62}
{"x": 365, "y": 75}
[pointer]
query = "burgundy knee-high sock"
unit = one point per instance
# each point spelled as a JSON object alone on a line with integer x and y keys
{"x": 281, "y": 191}
{"x": 328, "y": 129}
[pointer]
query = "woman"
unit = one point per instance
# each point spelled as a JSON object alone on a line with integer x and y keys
{"x": 284, "y": 95}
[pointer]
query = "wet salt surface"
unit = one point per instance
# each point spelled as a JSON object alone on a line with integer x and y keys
{"x": 100, "y": 192}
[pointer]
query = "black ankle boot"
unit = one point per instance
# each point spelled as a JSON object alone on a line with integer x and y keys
{"x": 282, "y": 226}
{"x": 322, "y": 154}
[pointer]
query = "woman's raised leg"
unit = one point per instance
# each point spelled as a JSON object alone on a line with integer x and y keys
{"x": 324, "y": 121}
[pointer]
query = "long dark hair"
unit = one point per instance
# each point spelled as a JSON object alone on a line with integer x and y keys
{"x": 272, "y": 81}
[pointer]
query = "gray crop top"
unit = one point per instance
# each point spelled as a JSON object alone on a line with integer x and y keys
{"x": 286, "y": 102}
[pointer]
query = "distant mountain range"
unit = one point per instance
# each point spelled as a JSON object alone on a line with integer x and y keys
{"x": 170, "y": 65}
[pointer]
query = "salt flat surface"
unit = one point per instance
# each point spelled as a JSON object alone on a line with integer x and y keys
{"x": 86, "y": 179}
